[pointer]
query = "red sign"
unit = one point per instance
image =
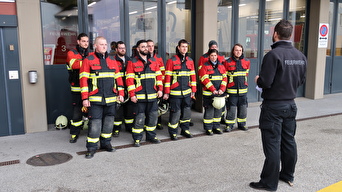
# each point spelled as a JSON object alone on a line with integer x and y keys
{"x": 323, "y": 30}
{"x": 49, "y": 51}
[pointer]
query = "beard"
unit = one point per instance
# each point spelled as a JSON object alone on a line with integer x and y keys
{"x": 121, "y": 54}
{"x": 143, "y": 53}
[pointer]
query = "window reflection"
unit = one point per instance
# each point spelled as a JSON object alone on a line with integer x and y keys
{"x": 224, "y": 18}
{"x": 143, "y": 19}
{"x": 60, "y": 26}
{"x": 297, "y": 17}
{"x": 178, "y": 24}
{"x": 248, "y": 27}
{"x": 104, "y": 20}
{"x": 331, "y": 18}
{"x": 274, "y": 13}
{"x": 339, "y": 31}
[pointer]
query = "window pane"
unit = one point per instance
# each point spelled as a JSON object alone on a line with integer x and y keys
{"x": 339, "y": 31}
{"x": 60, "y": 26}
{"x": 104, "y": 20}
{"x": 274, "y": 13}
{"x": 297, "y": 18}
{"x": 331, "y": 19}
{"x": 248, "y": 27}
{"x": 178, "y": 24}
{"x": 143, "y": 20}
{"x": 224, "y": 18}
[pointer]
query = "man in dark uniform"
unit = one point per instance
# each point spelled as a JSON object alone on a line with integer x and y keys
{"x": 74, "y": 62}
{"x": 125, "y": 112}
{"x": 180, "y": 87}
{"x": 159, "y": 59}
{"x": 144, "y": 83}
{"x": 282, "y": 72}
{"x": 237, "y": 67}
{"x": 101, "y": 86}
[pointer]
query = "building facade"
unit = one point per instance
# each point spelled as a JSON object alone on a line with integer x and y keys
{"x": 35, "y": 36}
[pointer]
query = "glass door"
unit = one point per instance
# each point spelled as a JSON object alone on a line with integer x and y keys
{"x": 336, "y": 78}
{"x": 143, "y": 21}
{"x": 104, "y": 20}
{"x": 178, "y": 24}
{"x": 224, "y": 23}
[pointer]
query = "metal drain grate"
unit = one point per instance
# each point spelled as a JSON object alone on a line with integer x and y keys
{"x": 48, "y": 159}
{"x": 9, "y": 162}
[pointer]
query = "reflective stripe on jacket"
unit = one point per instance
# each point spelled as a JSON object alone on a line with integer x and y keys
{"x": 143, "y": 79}
{"x": 180, "y": 76}
{"x": 213, "y": 77}
{"x": 100, "y": 79}
{"x": 237, "y": 71}
{"x": 74, "y": 63}
{"x": 160, "y": 62}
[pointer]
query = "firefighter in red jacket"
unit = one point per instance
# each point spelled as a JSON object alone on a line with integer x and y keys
{"x": 180, "y": 87}
{"x": 159, "y": 59}
{"x": 74, "y": 62}
{"x": 237, "y": 69}
{"x": 124, "y": 112}
{"x": 144, "y": 82}
{"x": 205, "y": 57}
{"x": 101, "y": 87}
{"x": 213, "y": 76}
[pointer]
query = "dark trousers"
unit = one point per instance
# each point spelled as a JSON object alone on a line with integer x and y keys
{"x": 101, "y": 119}
{"x": 278, "y": 127}
{"x": 180, "y": 112}
{"x": 236, "y": 107}
{"x": 125, "y": 114}
{"x": 76, "y": 121}
{"x": 145, "y": 119}
{"x": 212, "y": 116}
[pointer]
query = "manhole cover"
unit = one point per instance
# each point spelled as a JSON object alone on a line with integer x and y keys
{"x": 48, "y": 159}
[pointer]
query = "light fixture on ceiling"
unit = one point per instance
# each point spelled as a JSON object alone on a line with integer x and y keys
{"x": 91, "y": 4}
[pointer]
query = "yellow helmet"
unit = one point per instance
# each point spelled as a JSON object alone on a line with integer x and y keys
{"x": 219, "y": 102}
{"x": 61, "y": 122}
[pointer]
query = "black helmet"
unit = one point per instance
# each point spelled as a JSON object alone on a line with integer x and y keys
{"x": 163, "y": 106}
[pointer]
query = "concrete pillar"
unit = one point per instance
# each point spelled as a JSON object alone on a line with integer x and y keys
{"x": 314, "y": 88}
{"x": 206, "y": 30}
{"x": 31, "y": 58}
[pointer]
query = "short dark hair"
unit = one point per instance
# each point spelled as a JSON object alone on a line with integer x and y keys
{"x": 237, "y": 44}
{"x": 212, "y": 51}
{"x": 119, "y": 43}
{"x": 284, "y": 29}
{"x": 140, "y": 42}
{"x": 149, "y": 40}
{"x": 81, "y": 35}
{"x": 182, "y": 41}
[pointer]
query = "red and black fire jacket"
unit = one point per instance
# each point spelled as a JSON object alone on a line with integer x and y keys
{"x": 100, "y": 79}
{"x": 143, "y": 78}
{"x": 180, "y": 76}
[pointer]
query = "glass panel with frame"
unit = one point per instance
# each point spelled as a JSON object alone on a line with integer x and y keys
{"x": 338, "y": 47}
{"x": 297, "y": 16}
{"x": 104, "y": 20}
{"x": 273, "y": 14}
{"x": 178, "y": 24}
{"x": 143, "y": 21}
{"x": 248, "y": 27}
{"x": 224, "y": 23}
{"x": 60, "y": 28}
{"x": 331, "y": 20}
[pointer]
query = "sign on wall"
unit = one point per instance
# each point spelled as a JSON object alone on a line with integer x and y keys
{"x": 323, "y": 35}
{"x": 49, "y": 52}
